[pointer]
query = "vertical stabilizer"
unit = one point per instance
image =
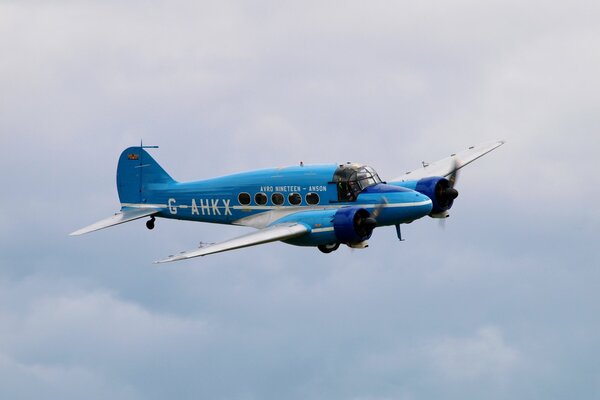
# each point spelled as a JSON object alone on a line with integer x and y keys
{"x": 137, "y": 171}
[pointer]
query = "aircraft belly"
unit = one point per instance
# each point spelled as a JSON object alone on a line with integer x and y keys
{"x": 188, "y": 216}
{"x": 314, "y": 239}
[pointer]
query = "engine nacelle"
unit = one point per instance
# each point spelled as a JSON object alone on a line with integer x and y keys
{"x": 353, "y": 225}
{"x": 441, "y": 193}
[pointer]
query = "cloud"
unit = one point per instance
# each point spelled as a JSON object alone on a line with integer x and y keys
{"x": 485, "y": 355}
{"x": 504, "y": 297}
{"x": 73, "y": 343}
{"x": 21, "y": 380}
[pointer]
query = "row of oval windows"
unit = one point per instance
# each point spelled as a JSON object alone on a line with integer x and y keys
{"x": 278, "y": 199}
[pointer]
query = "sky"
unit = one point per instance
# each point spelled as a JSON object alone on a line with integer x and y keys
{"x": 501, "y": 302}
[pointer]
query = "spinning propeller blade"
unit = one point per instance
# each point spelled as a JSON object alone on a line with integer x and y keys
{"x": 365, "y": 222}
{"x": 449, "y": 194}
{"x": 379, "y": 207}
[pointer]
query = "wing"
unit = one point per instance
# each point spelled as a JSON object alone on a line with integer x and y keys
{"x": 266, "y": 235}
{"x": 119, "y": 218}
{"x": 446, "y": 166}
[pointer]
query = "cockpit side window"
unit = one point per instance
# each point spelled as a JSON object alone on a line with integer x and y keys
{"x": 366, "y": 177}
{"x": 351, "y": 179}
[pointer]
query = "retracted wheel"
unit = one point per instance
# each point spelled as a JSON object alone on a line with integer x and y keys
{"x": 150, "y": 223}
{"x": 328, "y": 248}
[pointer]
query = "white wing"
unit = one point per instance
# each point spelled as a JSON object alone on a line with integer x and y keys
{"x": 119, "y": 218}
{"x": 447, "y": 165}
{"x": 266, "y": 235}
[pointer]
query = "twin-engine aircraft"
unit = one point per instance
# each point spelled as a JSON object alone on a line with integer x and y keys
{"x": 303, "y": 205}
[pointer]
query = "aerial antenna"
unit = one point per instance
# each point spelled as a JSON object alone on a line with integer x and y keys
{"x": 146, "y": 147}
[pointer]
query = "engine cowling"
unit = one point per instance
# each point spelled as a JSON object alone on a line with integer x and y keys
{"x": 353, "y": 225}
{"x": 440, "y": 191}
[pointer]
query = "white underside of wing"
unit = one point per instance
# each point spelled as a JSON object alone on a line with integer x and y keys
{"x": 446, "y": 166}
{"x": 118, "y": 218}
{"x": 263, "y": 219}
{"x": 266, "y": 235}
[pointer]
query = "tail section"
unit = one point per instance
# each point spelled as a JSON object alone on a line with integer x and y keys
{"x": 137, "y": 172}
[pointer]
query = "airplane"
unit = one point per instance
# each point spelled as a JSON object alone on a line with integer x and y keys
{"x": 321, "y": 206}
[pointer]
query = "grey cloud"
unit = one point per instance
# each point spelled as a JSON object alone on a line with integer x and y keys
{"x": 485, "y": 355}
{"x": 507, "y": 289}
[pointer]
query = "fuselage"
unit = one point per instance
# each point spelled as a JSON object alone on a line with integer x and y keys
{"x": 261, "y": 197}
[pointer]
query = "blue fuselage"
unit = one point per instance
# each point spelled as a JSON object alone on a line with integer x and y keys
{"x": 262, "y": 197}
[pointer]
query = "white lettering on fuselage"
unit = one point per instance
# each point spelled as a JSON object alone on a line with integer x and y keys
{"x": 204, "y": 207}
{"x": 172, "y": 209}
{"x": 287, "y": 188}
{"x": 214, "y": 204}
{"x": 292, "y": 188}
{"x": 207, "y": 206}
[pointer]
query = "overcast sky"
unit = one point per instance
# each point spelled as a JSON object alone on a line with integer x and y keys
{"x": 501, "y": 303}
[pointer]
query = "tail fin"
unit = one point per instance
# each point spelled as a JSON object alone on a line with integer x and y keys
{"x": 136, "y": 171}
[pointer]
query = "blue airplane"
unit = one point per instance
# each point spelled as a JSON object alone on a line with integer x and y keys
{"x": 303, "y": 205}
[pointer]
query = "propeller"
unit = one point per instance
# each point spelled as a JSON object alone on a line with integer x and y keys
{"x": 365, "y": 222}
{"x": 446, "y": 193}
{"x": 379, "y": 207}
{"x": 454, "y": 174}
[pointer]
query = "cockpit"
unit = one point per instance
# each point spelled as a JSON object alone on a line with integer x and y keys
{"x": 351, "y": 179}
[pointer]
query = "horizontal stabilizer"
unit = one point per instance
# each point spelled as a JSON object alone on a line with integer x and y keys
{"x": 119, "y": 218}
{"x": 266, "y": 235}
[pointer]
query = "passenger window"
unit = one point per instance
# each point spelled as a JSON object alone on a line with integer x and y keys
{"x": 244, "y": 199}
{"x": 277, "y": 199}
{"x": 295, "y": 199}
{"x": 260, "y": 199}
{"x": 312, "y": 198}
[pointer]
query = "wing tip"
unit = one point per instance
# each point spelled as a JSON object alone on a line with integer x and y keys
{"x": 172, "y": 258}
{"x": 164, "y": 261}
{"x": 500, "y": 142}
{"x": 79, "y": 232}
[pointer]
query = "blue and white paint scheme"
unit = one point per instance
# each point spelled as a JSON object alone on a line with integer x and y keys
{"x": 304, "y": 205}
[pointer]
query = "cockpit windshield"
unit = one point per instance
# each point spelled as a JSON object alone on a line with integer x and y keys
{"x": 351, "y": 179}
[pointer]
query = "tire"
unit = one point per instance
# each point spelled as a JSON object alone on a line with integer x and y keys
{"x": 328, "y": 248}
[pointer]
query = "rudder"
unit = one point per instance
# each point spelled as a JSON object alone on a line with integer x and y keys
{"x": 137, "y": 170}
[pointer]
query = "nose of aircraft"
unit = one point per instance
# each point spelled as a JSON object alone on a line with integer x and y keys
{"x": 408, "y": 205}
{"x": 401, "y": 204}
{"x": 424, "y": 205}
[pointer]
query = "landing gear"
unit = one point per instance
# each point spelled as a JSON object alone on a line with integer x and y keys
{"x": 328, "y": 248}
{"x": 150, "y": 223}
{"x": 399, "y": 233}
